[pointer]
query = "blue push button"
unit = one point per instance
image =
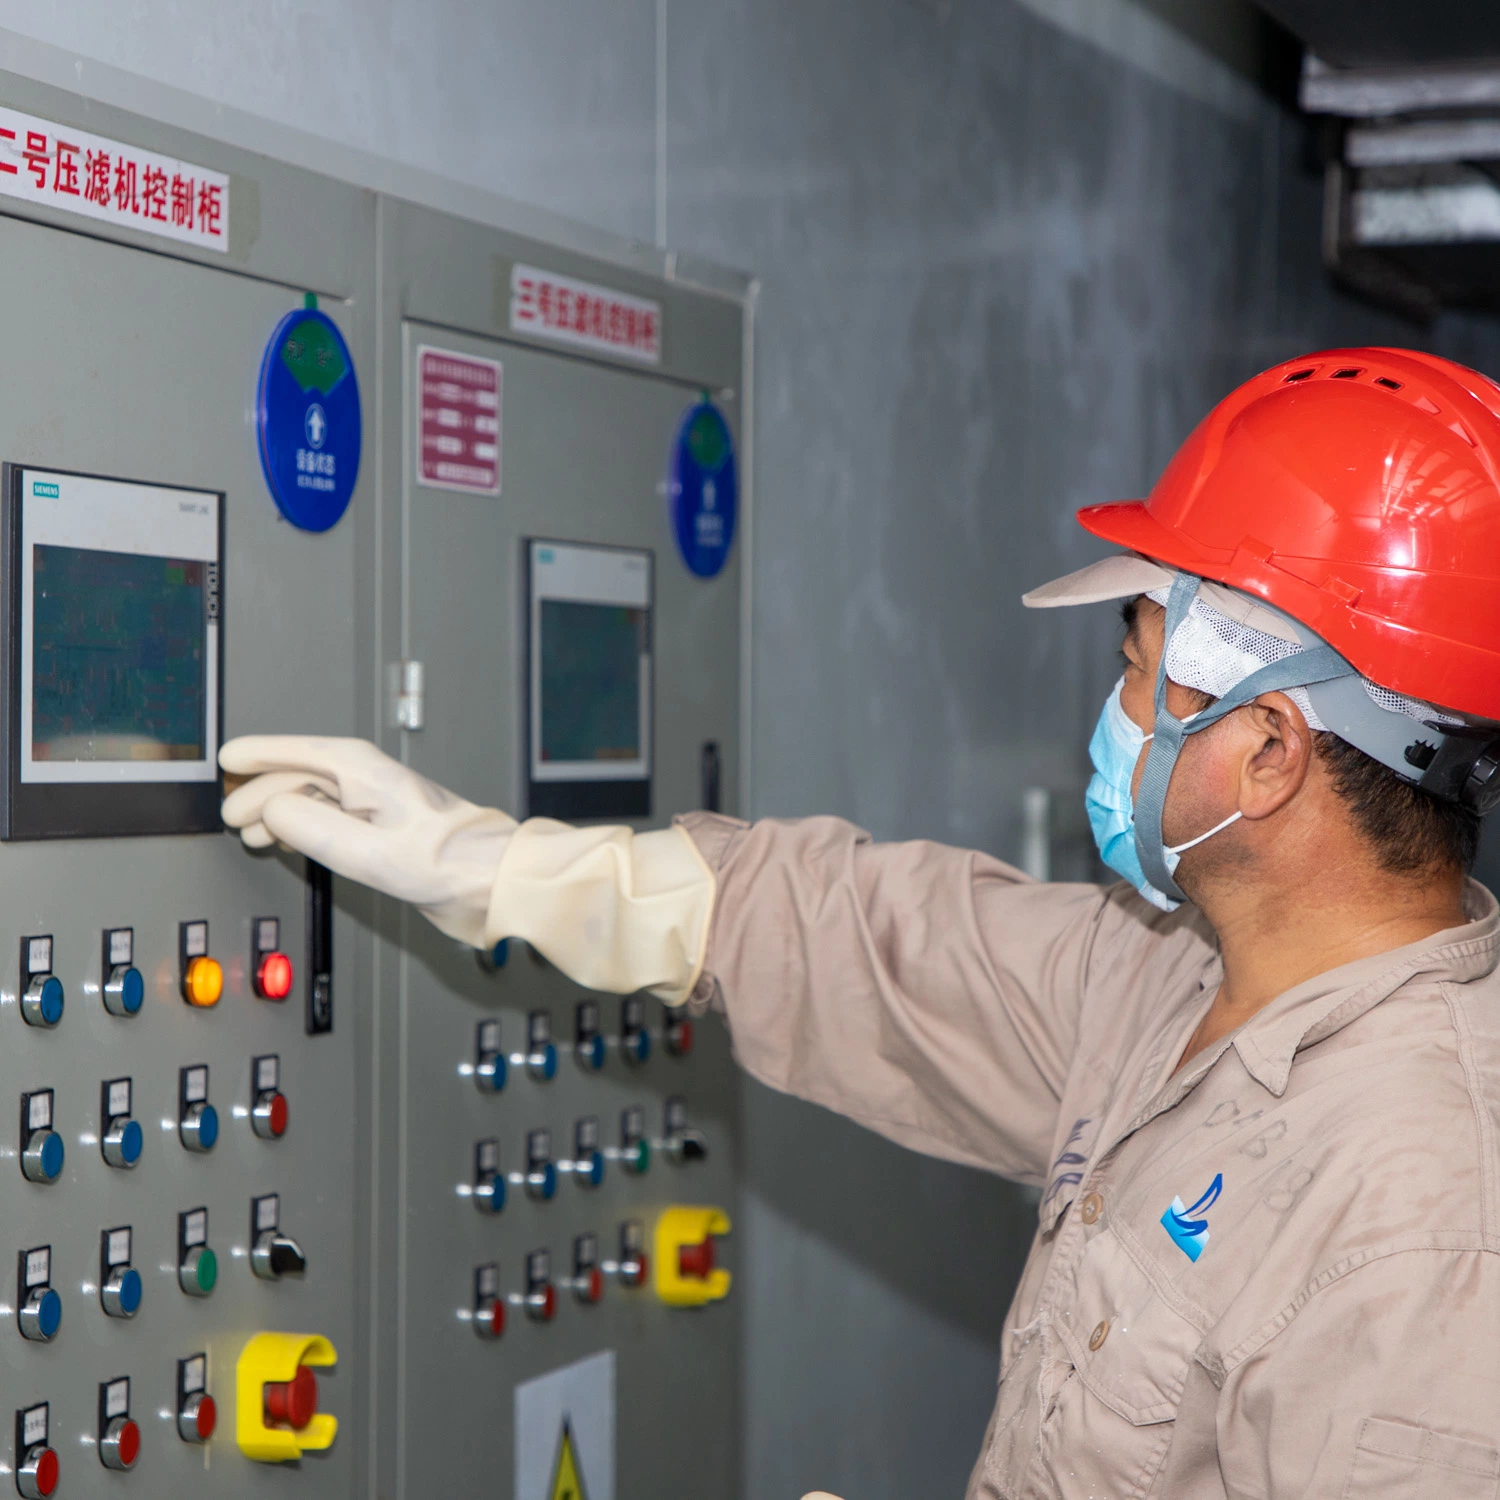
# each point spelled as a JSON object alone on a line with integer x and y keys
{"x": 121, "y": 1292}
{"x": 132, "y": 990}
{"x": 636, "y": 1045}
{"x": 489, "y": 1193}
{"x": 123, "y": 1142}
{"x": 593, "y": 1172}
{"x": 40, "y": 1315}
{"x": 42, "y": 1158}
{"x": 42, "y": 1004}
{"x": 542, "y": 1063}
{"x": 591, "y": 1053}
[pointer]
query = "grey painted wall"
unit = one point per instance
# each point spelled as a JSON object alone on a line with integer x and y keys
{"x": 1005, "y": 266}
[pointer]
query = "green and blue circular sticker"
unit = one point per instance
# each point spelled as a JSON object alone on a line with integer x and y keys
{"x": 702, "y": 490}
{"x": 307, "y": 419}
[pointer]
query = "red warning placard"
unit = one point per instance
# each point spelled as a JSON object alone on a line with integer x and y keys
{"x": 458, "y": 421}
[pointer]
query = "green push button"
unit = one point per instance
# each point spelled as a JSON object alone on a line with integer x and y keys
{"x": 199, "y": 1271}
{"x": 639, "y": 1158}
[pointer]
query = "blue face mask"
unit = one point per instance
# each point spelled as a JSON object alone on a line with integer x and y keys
{"x": 1115, "y": 748}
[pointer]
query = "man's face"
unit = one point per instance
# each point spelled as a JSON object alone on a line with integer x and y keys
{"x": 1202, "y": 789}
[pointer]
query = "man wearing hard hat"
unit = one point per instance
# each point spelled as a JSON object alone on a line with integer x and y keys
{"x": 1257, "y": 1080}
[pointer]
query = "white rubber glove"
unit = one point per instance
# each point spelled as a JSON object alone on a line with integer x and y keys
{"x": 614, "y": 910}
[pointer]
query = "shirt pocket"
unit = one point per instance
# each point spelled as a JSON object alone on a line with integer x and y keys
{"x": 1130, "y": 1347}
{"x": 1398, "y": 1461}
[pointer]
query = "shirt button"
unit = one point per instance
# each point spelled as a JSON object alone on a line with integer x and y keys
{"x": 1099, "y": 1335}
{"x": 1091, "y": 1207}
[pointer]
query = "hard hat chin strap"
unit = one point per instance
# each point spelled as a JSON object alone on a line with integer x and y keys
{"x": 1315, "y": 664}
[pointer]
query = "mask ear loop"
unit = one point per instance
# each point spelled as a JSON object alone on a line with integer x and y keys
{"x": 1316, "y": 664}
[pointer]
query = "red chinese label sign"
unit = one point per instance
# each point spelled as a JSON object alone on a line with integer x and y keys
{"x": 458, "y": 421}
{"x": 584, "y": 315}
{"x": 43, "y": 162}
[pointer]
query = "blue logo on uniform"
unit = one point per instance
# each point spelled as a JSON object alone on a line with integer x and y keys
{"x": 1190, "y": 1232}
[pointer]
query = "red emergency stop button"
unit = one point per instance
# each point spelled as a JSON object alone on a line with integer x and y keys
{"x": 696, "y": 1260}
{"x": 273, "y": 976}
{"x": 292, "y": 1403}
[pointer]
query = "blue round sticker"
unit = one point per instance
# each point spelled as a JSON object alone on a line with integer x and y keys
{"x": 703, "y": 490}
{"x": 307, "y": 417}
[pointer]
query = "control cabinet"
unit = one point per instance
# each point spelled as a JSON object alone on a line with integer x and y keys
{"x": 302, "y": 1197}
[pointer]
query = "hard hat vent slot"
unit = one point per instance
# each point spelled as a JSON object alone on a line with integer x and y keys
{"x": 1388, "y": 383}
{"x": 1349, "y": 373}
{"x": 1295, "y": 376}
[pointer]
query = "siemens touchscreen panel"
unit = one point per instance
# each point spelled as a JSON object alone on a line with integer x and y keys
{"x": 589, "y": 674}
{"x": 112, "y": 658}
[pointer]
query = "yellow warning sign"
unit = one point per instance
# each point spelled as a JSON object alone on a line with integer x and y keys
{"x": 567, "y": 1481}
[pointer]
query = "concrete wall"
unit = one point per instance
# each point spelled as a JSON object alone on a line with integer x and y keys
{"x": 1009, "y": 253}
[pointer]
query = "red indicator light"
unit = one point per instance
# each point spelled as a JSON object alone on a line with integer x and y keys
{"x": 273, "y": 977}
{"x": 292, "y": 1403}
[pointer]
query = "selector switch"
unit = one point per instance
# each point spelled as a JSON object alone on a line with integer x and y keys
{"x": 540, "y": 1177}
{"x": 202, "y": 977}
{"x": 271, "y": 968}
{"x": 269, "y": 1114}
{"x": 681, "y": 1142}
{"x": 633, "y": 1266}
{"x": 587, "y": 1280}
{"x": 36, "y": 1462}
{"x": 540, "y": 1056}
{"x": 197, "y": 1265}
{"x": 490, "y": 1069}
{"x": 119, "y": 1435}
{"x": 489, "y": 1306}
{"x": 197, "y": 1414}
{"x": 587, "y": 1165}
{"x": 41, "y": 1146}
{"x": 635, "y": 1039}
{"x": 273, "y": 1254}
{"x": 124, "y": 989}
{"x": 39, "y": 1308}
{"x": 589, "y": 1046}
{"x": 123, "y": 1139}
{"x": 489, "y": 1182}
{"x": 197, "y": 1119}
{"x": 41, "y": 990}
{"x": 119, "y": 1282}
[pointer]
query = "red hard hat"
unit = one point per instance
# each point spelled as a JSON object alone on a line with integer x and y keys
{"x": 1357, "y": 490}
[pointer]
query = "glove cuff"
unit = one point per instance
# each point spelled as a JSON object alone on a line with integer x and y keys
{"x": 614, "y": 910}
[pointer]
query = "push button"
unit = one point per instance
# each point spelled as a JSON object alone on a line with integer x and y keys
{"x": 540, "y": 1057}
{"x": 687, "y": 1269}
{"x": 540, "y": 1297}
{"x": 39, "y": 1313}
{"x": 634, "y": 1151}
{"x": 272, "y": 1253}
{"x": 270, "y": 966}
{"x": 119, "y": 1281}
{"x": 540, "y": 1176}
{"x": 489, "y": 1305}
{"x": 587, "y": 1165}
{"x": 36, "y": 1462}
{"x": 202, "y": 976}
{"x": 197, "y": 1119}
{"x": 587, "y": 1280}
{"x": 633, "y": 1265}
{"x": 276, "y": 1402}
{"x": 635, "y": 1039}
{"x": 41, "y": 989}
{"x": 42, "y": 1151}
{"x": 124, "y": 989}
{"x": 197, "y": 1413}
{"x": 490, "y": 1068}
{"x": 197, "y": 1265}
{"x": 678, "y": 1033}
{"x": 123, "y": 1138}
{"x": 589, "y": 1046}
{"x": 489, "y": 1184}
{"x": 119, "y": 1436}
{"x": 270, "y": 1114}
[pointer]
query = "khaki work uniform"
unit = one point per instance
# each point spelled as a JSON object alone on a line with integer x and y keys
{"x": 1272, "y": 1274}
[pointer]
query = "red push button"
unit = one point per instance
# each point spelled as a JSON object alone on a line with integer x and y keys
{"x": 696, "y": 1260}
{"x": 292, "y": 1403}
{"x": 489, "y": 1318}
{"x": 273, "y": 976}
{"x": 37, "y": 1476}
{"x": 270, "y": 1115}
{"x": 198, "y": 1418}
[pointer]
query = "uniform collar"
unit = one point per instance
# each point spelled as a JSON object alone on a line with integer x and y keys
{"x": 1313, "y": 1011}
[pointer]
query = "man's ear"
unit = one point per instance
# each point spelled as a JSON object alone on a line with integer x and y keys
{"x": 1277, "y": 755}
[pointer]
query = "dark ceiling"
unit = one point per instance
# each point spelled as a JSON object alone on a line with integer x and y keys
{"x": 1393, "y": 33}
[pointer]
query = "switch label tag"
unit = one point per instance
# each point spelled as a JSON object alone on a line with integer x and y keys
{"x": 268, "y": 1212}
{"x": 117, "y": 1398}
{"x": 195, "y": 1084}
{"x": 39, "y": 955}
{"x": 117, "y": 1247}
{"x": 39, "y": 1110}
{"x": 38, "y": 1266}
{"x": 121, "y": 943}
{"x": 118, "y": 1097}
{"x": 34, "y": 1426}
{"x": 194, "y": 1228}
